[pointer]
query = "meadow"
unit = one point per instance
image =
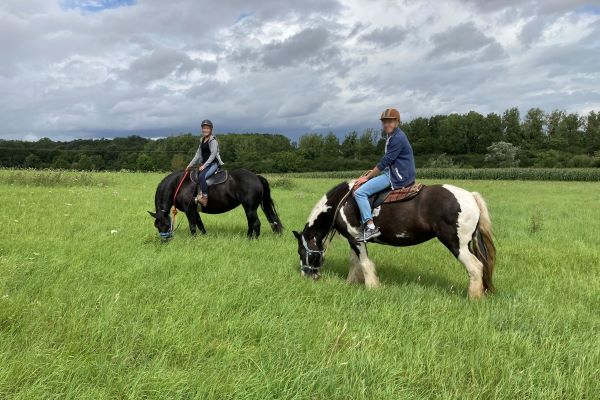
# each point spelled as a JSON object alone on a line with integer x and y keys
{"x": 94, "y": 306}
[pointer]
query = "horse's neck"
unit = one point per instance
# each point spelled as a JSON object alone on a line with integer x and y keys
{"x": 164, "y": 199}
{"x": 324, "y": 223}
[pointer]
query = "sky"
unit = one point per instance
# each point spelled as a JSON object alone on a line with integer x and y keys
{"x": 104, "y": 68}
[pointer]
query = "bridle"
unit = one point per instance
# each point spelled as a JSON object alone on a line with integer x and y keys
{"x": 307, "y": 268}
{"x": 169, "y": 233}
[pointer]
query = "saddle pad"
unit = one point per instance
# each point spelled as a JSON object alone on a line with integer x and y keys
{"x": 404, "y": 193}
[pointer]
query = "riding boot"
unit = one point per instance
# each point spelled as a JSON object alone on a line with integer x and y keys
{"x": 202, "y": 199}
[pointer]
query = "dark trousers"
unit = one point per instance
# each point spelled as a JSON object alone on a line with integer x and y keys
{"x": 204, "y": 175}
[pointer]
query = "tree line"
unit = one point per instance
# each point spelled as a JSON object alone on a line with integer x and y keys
{"x": 536, "y": 139}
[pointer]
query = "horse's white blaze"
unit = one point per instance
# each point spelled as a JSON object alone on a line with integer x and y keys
{"x": 318, "y": 209}
{"x": 353, "y": 230}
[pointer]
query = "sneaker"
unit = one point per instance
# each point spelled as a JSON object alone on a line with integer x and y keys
{"x": 368, "y": 234}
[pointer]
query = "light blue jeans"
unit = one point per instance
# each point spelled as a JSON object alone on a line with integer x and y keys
{"x": 369, "y": 188}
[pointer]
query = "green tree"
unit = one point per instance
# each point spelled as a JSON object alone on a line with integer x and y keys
{"x": 556, "y": 138}
{"x": 144, "y": 162}
{"x": 349, "y": 146}
{"x": 533, "y": 127}
{"x": 511, "y": 126}
{"x": 33, "y": 161}
{"x": 84, "y": 163}
{"x": 178, "y": 162}
{"x": 331, "y": 145}
{"x": 366, "y": 144}
{"x": 592, "y": 132}
{"x": 311, "y": 146}
{"x": 502, "y": 154}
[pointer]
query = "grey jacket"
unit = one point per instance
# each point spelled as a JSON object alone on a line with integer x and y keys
{"x": 213, "y": 145}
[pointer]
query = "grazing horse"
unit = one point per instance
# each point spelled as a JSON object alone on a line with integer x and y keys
{"x": 241, "y": 187}
{"x": 458, "y": 218}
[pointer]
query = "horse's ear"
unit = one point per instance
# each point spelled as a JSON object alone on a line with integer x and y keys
{"x": 153, "y": 215}
{"x": 297, "y": 234}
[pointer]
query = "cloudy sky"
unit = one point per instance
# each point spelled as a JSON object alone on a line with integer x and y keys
{"x": 105, "y": 68}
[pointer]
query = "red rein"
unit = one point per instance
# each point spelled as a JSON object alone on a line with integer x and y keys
{"x": 187, "y": 171}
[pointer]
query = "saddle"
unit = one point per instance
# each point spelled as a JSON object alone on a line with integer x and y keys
{"x": 220, "y": 176}
{"x": 396, "y": 195}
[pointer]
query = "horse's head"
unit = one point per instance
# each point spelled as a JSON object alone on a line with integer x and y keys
{"x": 163, "y": 222}
{"x": 311, "y": 255}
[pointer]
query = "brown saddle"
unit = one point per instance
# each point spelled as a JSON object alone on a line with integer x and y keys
{"x": 403, "y": 194}
{"x": 396, "y": 195}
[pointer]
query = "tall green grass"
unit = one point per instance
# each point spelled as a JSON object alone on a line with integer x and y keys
{"x": 94, "y": 306}
{"x": 34, "y": 177}
{"x": 523, "y": 174}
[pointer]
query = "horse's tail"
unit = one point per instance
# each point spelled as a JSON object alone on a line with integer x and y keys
{"x": 485, "y": 250}
{"x": 268, "y": 206}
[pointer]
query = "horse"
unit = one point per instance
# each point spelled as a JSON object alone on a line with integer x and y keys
{"x": 241, "y": 187}
{"x": 457, "y": 218}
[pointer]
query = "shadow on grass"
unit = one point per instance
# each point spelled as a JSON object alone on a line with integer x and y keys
{"x": 400, "y": 275}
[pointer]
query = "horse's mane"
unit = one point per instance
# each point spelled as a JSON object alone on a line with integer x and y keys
{"x": 166, "y": 186}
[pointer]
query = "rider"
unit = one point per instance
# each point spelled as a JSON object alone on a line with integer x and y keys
{"x": 396, "y": 169}
{"x": 209, "y": 158}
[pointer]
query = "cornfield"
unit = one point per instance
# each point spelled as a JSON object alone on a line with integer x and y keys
{"x": 522, "y": 174}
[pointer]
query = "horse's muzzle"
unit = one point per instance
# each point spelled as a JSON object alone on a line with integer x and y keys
{"x": 165, "y": 235}
{"x": 310, "y": 272}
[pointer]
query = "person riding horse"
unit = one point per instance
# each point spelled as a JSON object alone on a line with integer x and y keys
{"x": 209, "y": 158}
{"x": 396, "y": 169}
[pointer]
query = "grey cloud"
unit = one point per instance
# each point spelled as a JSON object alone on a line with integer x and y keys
{"x": 536, "y": 7}
{"x": 385, "y": 37}
{"x": 459, "y": 39}
{"x": 156, "y": 68}
{"x": 533, "y": 30}
{"x": 309, "y": 45}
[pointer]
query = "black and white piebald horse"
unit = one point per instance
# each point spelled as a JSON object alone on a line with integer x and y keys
{"x": 458, "y": 218}
{"x": 242, "y": 187}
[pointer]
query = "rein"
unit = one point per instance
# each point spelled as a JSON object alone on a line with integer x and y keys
{"x": 171, "y": 230}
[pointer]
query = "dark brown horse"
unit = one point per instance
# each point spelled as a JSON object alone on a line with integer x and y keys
{"x": 242, "y": 187}
{"x": 458, "y": 218}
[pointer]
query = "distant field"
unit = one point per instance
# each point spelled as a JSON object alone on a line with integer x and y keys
{"x": 93, "y": 305}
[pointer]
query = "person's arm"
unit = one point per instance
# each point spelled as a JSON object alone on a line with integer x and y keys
{"x": 197, "y": 157}
{"x": 393, "y": 151}
{"x": 214, "y": 149}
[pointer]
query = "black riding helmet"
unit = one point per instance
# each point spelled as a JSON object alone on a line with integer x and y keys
{"x": 207, "y": 122}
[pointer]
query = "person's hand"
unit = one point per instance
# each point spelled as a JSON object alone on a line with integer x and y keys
{"x": 201, "y": 168}
{"x": 359, "y": 182}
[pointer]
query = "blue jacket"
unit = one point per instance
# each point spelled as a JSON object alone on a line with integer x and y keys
{"x": 399, "y": 159}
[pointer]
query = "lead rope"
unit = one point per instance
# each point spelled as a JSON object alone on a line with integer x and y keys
{"x": 174, "y": 199}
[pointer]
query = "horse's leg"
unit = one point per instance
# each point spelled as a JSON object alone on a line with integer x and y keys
{"x": 366, "y": 266}
{"x": 474, "y": 269}
{"x": 192, "y": 221}
{"x": 253, "y": 222}
{"x": 199, "y": 222}
{"x": 355, "y": 275}
{"x": 457, "y": 241}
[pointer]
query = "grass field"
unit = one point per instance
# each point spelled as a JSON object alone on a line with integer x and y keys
{"x": 92, "y": 305}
